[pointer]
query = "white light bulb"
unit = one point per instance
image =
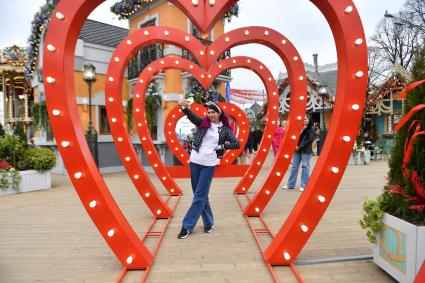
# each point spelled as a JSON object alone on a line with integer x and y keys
{"x": 358, "y": 42}
{"x": 50, "y": 80}
{"x": 78, "y": 175}
{"x": 60, "y": 16}
{"x": 65, "y": 144}
{"x": 286, "y": 255}
{"x": 56, "y": 112}
{"x": 111, "y": 233}
{"x": 346, "y": 138}
{"x": 359, "y": 74}
{"x": 129, "y": 260}
{"x": 93, "y": 204}
{"x": 348, "y": 10}
{"x": 51, "y": 48}
{"x": 304, "y": 228}
{"x": 322, "y": 199}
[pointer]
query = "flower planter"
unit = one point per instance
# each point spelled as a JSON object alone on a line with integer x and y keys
{"x": 32, "y": 180}
{"x": 356, "y": 159}
{"x": 400, "y": 248}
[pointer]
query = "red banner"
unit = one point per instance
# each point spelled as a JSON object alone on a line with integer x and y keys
{"x": 247, "y": 96}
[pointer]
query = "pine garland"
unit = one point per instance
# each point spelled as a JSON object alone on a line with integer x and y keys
{"x": 38, "y": 25}
{"x": 394, "y": 84}
{"x": 126, "y": 8}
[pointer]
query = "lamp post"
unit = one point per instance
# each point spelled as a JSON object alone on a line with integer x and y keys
{"x": 401, "y": 21}
{"x": 323, "y": 91}
{"x": 91, "y": 134}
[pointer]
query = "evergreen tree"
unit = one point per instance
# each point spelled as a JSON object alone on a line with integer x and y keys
{"x": 20, "y": 131}
{"x": 397, "y": 204}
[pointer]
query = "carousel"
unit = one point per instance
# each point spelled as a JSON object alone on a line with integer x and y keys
{"x": 15, "y": 93}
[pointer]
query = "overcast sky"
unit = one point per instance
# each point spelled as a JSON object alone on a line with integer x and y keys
{"x": 299, "y": 20}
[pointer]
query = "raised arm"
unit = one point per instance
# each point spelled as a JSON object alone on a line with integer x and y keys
{"x": 195, "y": 119}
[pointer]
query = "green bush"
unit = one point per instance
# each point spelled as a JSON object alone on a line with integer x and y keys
{"x": 372, "y": 218}
{"x": 18, "y": 130}
{"x": 40, "y": 159}
{"x": 9, "y": 178}
{"x": 12, "y": 149}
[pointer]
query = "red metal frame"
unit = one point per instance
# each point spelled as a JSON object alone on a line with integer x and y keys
{"x": 350, "y": 99}
{"x": 296, "y": 71}
{"x": 61, "y": 38}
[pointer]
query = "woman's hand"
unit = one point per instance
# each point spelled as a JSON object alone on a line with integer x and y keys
{"x": 183, "y": 103}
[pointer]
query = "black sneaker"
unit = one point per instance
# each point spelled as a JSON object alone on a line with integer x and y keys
{"x": 208, "y": 229}
{"x": 183, "y": 233}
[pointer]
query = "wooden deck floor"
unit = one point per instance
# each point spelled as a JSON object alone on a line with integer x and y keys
{"x": 47, "y": 236}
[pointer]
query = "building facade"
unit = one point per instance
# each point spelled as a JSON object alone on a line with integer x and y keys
{"x": 96, "y": 44}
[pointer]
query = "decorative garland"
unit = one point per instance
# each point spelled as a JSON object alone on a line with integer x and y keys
{"x": 312, "y": 84}
{"x": 41, "y": 117}
{"x": 40, "y": 22}
{"x": 152, "y": 102}
{"x": 126, "y": 8}
{"x": 394, "y": 84}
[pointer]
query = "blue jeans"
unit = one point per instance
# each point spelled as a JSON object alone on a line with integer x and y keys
{"x": 201, "y": 177}
{"x": 305, "y": 173}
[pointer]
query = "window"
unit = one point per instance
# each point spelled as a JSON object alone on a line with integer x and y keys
{"x": 104, "y": 124}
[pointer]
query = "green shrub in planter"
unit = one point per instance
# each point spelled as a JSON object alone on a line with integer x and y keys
{"x": 12, "y": 149}
{"x": 372, "y": 218}
{"x": 40, "y": 159}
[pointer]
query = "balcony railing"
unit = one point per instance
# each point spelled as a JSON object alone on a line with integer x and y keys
{"x": 187, "y": 55}
{"x": 143, "y": 58}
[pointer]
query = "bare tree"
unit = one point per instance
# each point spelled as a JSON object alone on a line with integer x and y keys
{"x": 396, "y": 42}
{"x": 414, "y": 11}
{"x": 378, "y": 67}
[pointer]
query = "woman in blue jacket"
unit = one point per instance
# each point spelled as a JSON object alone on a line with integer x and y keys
{"x": 212, "y": 137}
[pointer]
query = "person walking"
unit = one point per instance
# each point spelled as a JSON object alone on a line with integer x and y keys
{"x": 277, "y": 137}
{"x": 302, "y": 155}
{"x": 213, "y": 135}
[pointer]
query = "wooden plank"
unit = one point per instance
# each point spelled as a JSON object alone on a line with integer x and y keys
{"x": 47, "y": 236}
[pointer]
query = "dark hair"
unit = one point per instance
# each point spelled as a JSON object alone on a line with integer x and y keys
{"x": 206, "y": 123}
{"x": 310, "y": 121}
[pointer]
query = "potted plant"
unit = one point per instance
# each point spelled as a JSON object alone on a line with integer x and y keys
{"x": 22, "y": 168}
{"x": 396, "y": 219}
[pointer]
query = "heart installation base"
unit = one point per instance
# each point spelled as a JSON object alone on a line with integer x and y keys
{"x": 130, "y": 250}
